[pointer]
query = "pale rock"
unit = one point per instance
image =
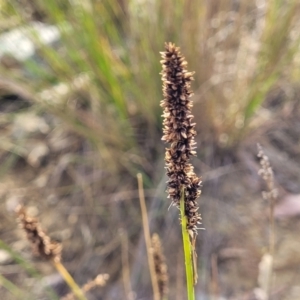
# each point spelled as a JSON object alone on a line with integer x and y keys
{"x": 5, "y": 257}
{"x": 37, "y": 154}
{"x": 29, "y": 122}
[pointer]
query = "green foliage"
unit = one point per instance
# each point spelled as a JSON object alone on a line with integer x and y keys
{"x": 276, "y": 52}
{"x": 114, "y": 46}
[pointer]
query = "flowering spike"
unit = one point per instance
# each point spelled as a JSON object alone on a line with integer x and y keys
{"x": 40, "y": 242}
{"x": 161, "y": 269}
{"x": 179, "y": 131}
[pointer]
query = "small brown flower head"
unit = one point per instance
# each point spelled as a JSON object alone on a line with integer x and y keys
{"x": 161, "y": 269}
{"x": 41, "y": 243}
{"x": 266, "y": 172}
{"x": 179, "y": 131}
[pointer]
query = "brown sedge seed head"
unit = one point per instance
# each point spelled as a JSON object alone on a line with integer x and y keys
{"x": 179, "y": 131}
{"x": 40, "y": 242}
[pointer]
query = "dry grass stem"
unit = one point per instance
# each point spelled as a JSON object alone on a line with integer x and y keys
{"x": 147, "y": 237}
{"x": 160, "y": 267}
{"x": 179, "y": 132}
{"x": 77, "y": 291}
{"x": 214, "y": 276}
{"x": 271, "y": 194}
{"x": 100, "y": 280}
{"x": 40, "y": 242}
{"x": 125, "y": 265}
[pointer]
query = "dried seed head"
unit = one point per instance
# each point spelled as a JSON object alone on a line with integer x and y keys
{"x": 179, "y": 131}
{"x": 100, "y": 280}
{"x": 161, "y": 269}
{"x": 266, "y": 172}
{"x": 41, "y": 243}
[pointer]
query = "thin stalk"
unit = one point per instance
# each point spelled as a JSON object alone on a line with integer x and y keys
{"x": 125, "y": 264}
{"x": 12, "y": 288}
{"x": 187, "y": 247}
{"x": 271, "y": 226}
{"x": 69, "y": 280}
{"x": 271, "y": 238}
{"x": 148, "y": 238}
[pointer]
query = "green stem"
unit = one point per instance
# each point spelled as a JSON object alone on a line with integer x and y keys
{"x": 187, "y": 250}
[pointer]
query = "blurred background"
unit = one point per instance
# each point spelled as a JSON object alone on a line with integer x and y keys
{"x": 80, "y": 117}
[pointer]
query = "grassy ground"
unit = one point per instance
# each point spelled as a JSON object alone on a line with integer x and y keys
{"x": 81, "y": 118}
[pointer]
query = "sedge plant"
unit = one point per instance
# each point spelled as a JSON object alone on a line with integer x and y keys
{"x": 183, "y": 185}
{"x": 43, "y": 246}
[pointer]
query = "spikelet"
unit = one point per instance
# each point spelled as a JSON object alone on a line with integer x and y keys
{"x": 179, "y": 132}
{"x": 40, "y": 242}
{"x": 266, "y": 172}
{"x": 161, "y": 269}
{"x": 100, "y": 280}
